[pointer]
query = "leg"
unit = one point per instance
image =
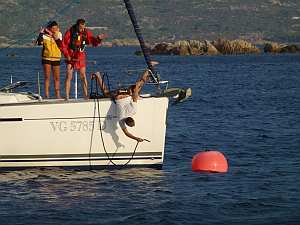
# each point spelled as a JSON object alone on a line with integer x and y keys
{"x": 56, "y": 76}
{"x": 139, "y": 84}
{"x": 68, "y": 80}
{"x": 102, "y": 85}
{"x": 84, "y": 84}
{"x": 47, "y": 71}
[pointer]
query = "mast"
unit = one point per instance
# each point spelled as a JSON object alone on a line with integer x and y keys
{"x": 139, "y": 35}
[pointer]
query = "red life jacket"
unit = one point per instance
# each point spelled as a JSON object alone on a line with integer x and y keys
{"x": 78, "y": 40}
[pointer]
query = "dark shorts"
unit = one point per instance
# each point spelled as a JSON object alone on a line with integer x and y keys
{"x": 52, "y": 63}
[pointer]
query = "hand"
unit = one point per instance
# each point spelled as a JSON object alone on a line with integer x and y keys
{"x": 139, "y": 139}
{"x": 56, "y": 36}
{"x": 47, "y": 31}
{"x": 95, "y": 75}
{"x": 68, "y": 59}
{"x": 42, "y": 30}
{"x": 102, "y": 36}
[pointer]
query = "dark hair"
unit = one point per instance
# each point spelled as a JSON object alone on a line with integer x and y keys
{"x": 129, "y": 121}
{"x": 80, "y": 21}
{"x": 52, "y": 24}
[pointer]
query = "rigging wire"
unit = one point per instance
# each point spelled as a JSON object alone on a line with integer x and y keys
{"x": 138, "y": 32}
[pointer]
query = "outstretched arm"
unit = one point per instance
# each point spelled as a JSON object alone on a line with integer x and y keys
{"x": 95, "y": 41}
{"x": 128, "y": 134}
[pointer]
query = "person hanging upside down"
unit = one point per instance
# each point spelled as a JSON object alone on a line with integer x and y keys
{"x": 126, "y": 101}
{"x": 73, "y": 48}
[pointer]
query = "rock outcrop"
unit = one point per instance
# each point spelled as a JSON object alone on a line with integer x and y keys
{"x": 196, "y": 47}
{"x": 189, "y": 47}
{"x": 184, "y": 48}
{"x": 162, "y": 49}
{"x": 218, "y": 47}
{"x": 281, "y": 48}
{"x": 235, "y": 47}
{"x": 211, "y": 49}
{"x": 291, "y": 49}
{"x": 273, "y": 47}
{"x": 4, "y": 42}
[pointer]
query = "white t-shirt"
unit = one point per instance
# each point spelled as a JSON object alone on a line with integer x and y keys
{"x": 126, "y": 107}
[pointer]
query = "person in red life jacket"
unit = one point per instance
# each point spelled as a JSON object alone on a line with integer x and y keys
{"x": 73, "y": 47}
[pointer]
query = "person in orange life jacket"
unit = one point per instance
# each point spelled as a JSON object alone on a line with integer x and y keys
{"x": 51, "y": 56}
{"x": 73, "y": 47}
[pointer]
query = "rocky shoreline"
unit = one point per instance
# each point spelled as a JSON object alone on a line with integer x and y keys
{"x": 217, "y": 47}
{"x": 193, "y": 47}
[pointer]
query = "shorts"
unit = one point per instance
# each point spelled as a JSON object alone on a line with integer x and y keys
{"x": 77, "y": 63}
{"x": 52, "y": 63}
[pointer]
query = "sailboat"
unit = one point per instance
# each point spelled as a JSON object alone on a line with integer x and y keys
{"x": 78, "y": 132}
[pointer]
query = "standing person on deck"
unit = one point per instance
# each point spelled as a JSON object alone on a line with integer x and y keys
{"x": 73, "y": 47}
{"x": 51, "y": 56}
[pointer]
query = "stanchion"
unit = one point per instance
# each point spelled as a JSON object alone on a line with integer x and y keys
{"x": 75, "y": 86}
{"x": 38, "y": 83}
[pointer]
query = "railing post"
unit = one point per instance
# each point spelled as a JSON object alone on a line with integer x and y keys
{"x": 75, "y": 86}
{"x": 39, "y": 84}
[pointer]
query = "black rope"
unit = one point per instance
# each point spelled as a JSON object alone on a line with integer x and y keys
{"x": 94, "y": 94}
{"x": 103, "y": 144}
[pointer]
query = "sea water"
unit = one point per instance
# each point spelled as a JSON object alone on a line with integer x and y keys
{"x": 247, "y": 107}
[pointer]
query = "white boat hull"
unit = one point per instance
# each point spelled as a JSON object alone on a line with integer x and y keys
{"x": 67, "y": 134}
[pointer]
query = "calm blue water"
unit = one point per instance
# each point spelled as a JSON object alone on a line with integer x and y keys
{"x": 248, "y": 107}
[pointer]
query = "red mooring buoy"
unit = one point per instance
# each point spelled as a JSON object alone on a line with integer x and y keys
{"x": 210, "y": 161}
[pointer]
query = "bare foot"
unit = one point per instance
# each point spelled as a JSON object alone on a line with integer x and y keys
{"x": 153, "y": 63}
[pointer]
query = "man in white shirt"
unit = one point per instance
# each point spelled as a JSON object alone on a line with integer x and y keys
{"x": 126, "y": 102}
